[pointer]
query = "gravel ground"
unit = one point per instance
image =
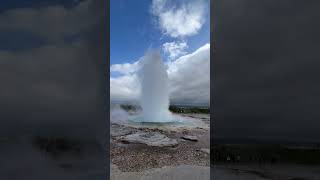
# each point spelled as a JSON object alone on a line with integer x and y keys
{"x": 182, "y": 172}
{"x": 140, "y": 157}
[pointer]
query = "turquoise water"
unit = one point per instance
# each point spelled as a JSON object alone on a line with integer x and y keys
{"x": 178, "y": 122}
{"x": 140, "y": 120}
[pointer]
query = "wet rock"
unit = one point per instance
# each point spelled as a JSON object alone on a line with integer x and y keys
{"x": 190, "y": 138}
{"x": 120, "y": 131}
{"x": 184, "y": 132}
{"x": 150, "y": 139}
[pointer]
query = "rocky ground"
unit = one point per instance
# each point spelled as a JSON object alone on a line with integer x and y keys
{"x": 137, "y": 148}
{"x": 182, "y": 172}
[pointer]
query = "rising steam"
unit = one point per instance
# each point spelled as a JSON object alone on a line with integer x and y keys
{"x": 154, "y": 98}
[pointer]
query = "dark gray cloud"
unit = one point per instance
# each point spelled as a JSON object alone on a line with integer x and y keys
{"x": 59, "y": 84}
{"x": 53, "y": 88}
{"x": 266, "y": 69}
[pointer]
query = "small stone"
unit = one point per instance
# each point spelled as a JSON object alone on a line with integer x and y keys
{"x": 205, "y": 150}
{"x": 121, "y": 150}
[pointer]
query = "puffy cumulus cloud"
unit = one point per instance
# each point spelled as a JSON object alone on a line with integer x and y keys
{"x": 52, "y": 23}
{"x": 179, "y": 20}
{"x": 189, "y": 79}
{"x": 174, "y": 49}
{"x": 126, "y": 68}
{"x": 124, "y": 88}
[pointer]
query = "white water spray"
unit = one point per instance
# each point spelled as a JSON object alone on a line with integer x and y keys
{"x": 154, "y": 98}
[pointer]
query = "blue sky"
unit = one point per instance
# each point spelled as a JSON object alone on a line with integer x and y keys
{"x": 180, "y": 29}
{"x": 133, "y": 29}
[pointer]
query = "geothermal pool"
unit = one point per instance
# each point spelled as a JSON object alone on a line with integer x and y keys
{"x": 180, "y": 121}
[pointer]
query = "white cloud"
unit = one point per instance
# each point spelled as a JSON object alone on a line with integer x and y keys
{"x": 174, "y": 49}
{"x": 179, "y": 20}
{"x": 126, "y": 68}
{"x": 124, "y": 88}
{"x": 189, "y": 78}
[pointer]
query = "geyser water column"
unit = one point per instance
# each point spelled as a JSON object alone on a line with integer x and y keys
{"x": 154, "y": 97}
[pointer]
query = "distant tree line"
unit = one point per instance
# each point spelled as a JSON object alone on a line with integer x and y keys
{"x": 189, "y": 109}
{"x": 172, "y": 108}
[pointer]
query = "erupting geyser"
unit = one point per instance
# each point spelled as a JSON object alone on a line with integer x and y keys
{"x": 154, "y": 98}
